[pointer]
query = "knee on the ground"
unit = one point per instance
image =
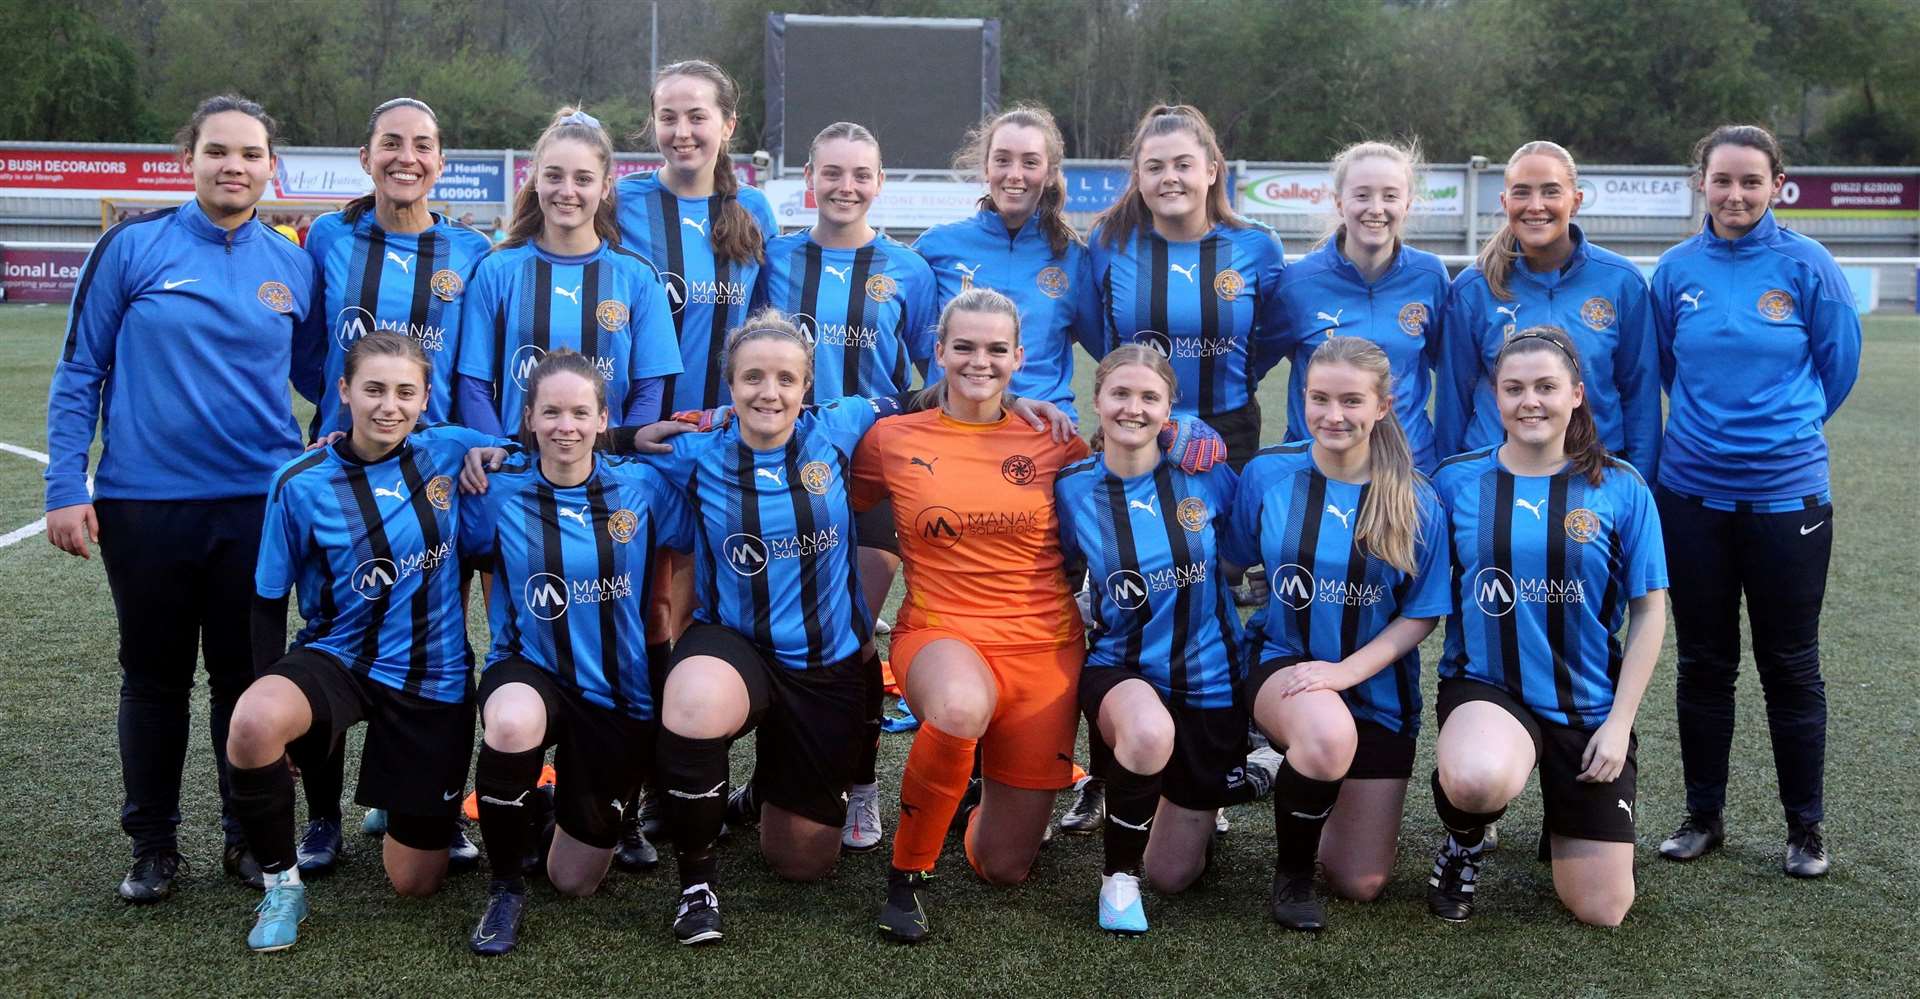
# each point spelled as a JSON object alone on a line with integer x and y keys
{"x": 1603, "y": 907}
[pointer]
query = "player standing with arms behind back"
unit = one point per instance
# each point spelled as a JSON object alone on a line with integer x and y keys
{"x": 186, "y": 325}
{"x": 1759, "y": 346}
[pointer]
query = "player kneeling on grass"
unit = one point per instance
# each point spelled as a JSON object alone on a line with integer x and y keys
{"x": 571, "y": 539}
{"x": 1552, "y": 539}
{"x": 367, "y": 529}
{"x": 1354, "y": 542}
{"x": 1160, "y": 687}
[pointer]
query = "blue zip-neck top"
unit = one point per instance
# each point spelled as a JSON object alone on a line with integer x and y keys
{"x": 1759, "y": 346}
{"x": 180, "y": 343}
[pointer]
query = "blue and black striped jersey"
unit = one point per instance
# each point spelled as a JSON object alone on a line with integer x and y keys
{"x": 1151, "y": 545}
{"x": 1543, "y": 568}
{"x": 870, "y": 312}
{"x": 776, "y": 539}
{"x": 608, "y": 305}
{"x": 1328, "y": 596}
{"x": 403, "y": 282}
{"x": 572, "y": 567}
{"x": 707, "y": 296}
{"x": 1210, "y": 306}
{"x": 373, "y": 548}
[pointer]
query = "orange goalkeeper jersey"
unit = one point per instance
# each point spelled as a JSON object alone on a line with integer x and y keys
{"x": 973, "y": 503}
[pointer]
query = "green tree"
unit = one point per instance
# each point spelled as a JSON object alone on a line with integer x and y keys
{"x": 71, "y": 78}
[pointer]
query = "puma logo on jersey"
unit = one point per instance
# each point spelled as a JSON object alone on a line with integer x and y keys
{"x": 406, "y": 263}
{"x": 926, "y": 463}
{"x": 1694, "y": 299}
{"x": 619, "y": 807}
{"x": 836, "y": 272}
{"x": 393, "y": 493}
{"x": 1532, "y": 508}
{"x": 1186, "y": 272}
{"x": 968, "y": 272}
{"x": 713, "y": 793}
{"x": 571, "y": 296}
{"x": 1343, "y": 516}
{"x": 1334, "y": 319}
{"x": 1147, "y": 506}
{"x": 769, "y": 473}
{"x": 1512, "y": 312}
{"x": 698, "y": 225}
{"x": 1622, "y": 802}
{"x": 579, "y": 515}
{"x": 515, "y": 803}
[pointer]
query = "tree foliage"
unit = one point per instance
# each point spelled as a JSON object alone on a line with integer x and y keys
{"x": 1614, "y": 80}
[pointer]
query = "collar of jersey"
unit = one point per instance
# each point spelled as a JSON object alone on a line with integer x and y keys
{"x": 195, "y": 219}
{"x": 1574, "y": 260}
{"x": 1566, "y": 467}
{"x": 368, "y": 224}
{"x": 1762, "y": 233}
{"x": 1126, "y": 479}
{"x": 562, "y": 260}
{"x": 989, "y": 220}
{"x": 534, "y": 460}
{"x": 977, "y": 428}
{"x": 343, "y": 450}
{"x": 1340, "y": 262}
{"x": 824, "y": 248}
{"x": 1218, "y": 228}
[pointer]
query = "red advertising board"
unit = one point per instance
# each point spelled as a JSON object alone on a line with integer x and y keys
{"x": 1850, "y": 194}
{"x": 83, "y": 170}
{"x": 40, "y": 275}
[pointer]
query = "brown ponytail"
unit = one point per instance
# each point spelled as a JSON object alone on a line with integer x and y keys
{"x": 1582, "y": 444}
{"x": 736, "y": 238}
{"x": 569, "y": 123}
{"x": 1051, "y": 213}
{"x": 1129, "y": 216}
{"x": 1501, "y": 249}
{"x": 1121, "y": 356}
{"x": 1389, "y": 524}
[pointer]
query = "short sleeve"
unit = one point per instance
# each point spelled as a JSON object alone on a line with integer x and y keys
{"x": 869, "y": 486}
{"x": 1241, "y": 543}
{"x": 1639, "y": 531}
{"x": 1429, "y": 592}
{"x": 281, "y": 550}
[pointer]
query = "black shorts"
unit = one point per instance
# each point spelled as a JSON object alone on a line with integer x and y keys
{"x": 875, "y": 529}
{"x": 1381, "y": 754}
{"x": 601, "y": 758}
{"x": 810, "y": 723}
{"x": 1573, "y": 808}
{"x": 1210, "y": 745}
{"x": 417, "y": 753}
{"x": 1240, "y": 428}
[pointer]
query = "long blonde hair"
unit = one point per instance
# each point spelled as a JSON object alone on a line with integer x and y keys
{"x": 983, "y": 301}
{"x": 1501, "y": 249}
{"x": 1129, "y": 216}
{"x": 569, "y": 123}
{"x": 1389, "y": 524}
{"x": 1121, "y": 356}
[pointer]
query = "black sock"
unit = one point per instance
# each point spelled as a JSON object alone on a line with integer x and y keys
{"x": 863, "y": 770}
{"x": 1131, "y": 801}
{"x": 322, "y": 782}
{"x": 263, "y": 803}
{"x": 1300, "y": 809}
{"x": 692, "y": 782}
{"x": 504, "y": 784}
{"x": 1466, "y": 828}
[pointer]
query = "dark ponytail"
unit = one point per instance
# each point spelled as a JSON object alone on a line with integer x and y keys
{"x": 1051, "y": 212}
{"x": 352, "y": 210}
{"x": 736, "y": 237}
{"x": 1582, "y": 444}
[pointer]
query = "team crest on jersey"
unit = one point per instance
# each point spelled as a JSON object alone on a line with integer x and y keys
{"x": 880, "y": 288}
{"x": 815, "y": 476}
{"x": 440, "y": 492}
{"x": 1582, "y": 525}
{"x": 275, "y": 296}
{"x": 446, "y": 285}
{"x": 1776, "y": 305}
{"x": 623, "y": 525}
{"x": 1597, "y": 313}
{"x": 1228, "y": 284}
{"x": 612, "y": 315}
{"x": 1053, "y": 282}
{"x": 1192, "y": 512}
{"x": 1018, "y": 470}
{"x": 1413, "y": 318}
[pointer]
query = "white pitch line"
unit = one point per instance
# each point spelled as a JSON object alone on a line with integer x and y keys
{"x": 38, "y": 526}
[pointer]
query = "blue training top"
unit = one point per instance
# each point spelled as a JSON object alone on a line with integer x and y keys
{"x": 573, "y": 571}
{"x": 708, "y": 297}
{"x": 608, "y": 305}
{"x": 180, "y": 344}
{"x": 1544, "y": 567}
{"x": 869, "y": 311}
{"x": 775, "y": 534}
{"x": 1759, "y": 346}
{"x": 1151, "y": 545}
{"x": 1600, "y": 300}
{"x": 409, "y": 283}
{"x": 374, "y": 550}
{"x": 1058, "y": 301}
{"x": 1327, "y": 594}
{"x": 1211, "y": 306}
{"x": 1324, "y": 295}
